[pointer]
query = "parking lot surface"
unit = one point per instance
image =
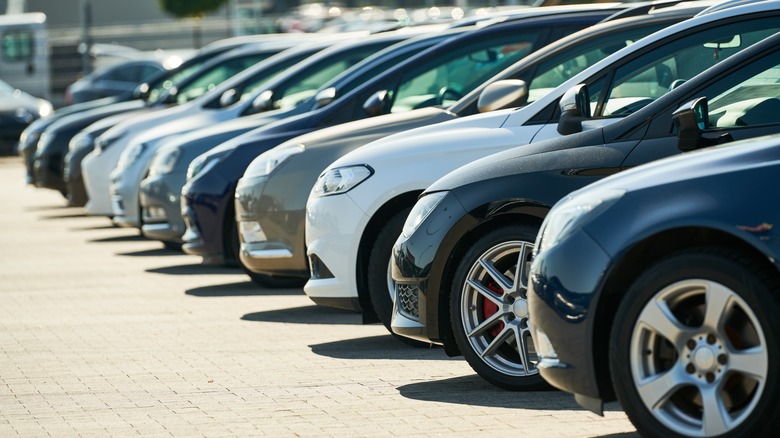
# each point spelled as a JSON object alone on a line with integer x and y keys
{"x": 105, "y": 333}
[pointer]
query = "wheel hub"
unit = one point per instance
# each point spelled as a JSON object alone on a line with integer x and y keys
{"x": 705, "y": 356}
{"x": 520, "y": 309}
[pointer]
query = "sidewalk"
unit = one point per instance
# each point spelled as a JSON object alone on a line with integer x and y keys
{"x": 104, "y": 333}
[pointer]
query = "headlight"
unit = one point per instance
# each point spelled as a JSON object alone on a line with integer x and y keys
{"x": 130, "y": 154}
{"x": 420, "y": 211}
{"x": 341, "y": 180}
{"x": 164, "y": 162}
{"x": 266, "y": 163}
{"x": 204, "y": 163}
{"x": 571, "y": 213}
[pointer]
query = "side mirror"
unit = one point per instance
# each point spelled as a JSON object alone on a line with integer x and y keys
{"x": 228, "y": 98}
{"x": 375, "y": 104}
{"x": 575, "y": 107}
{"x": 263, "y": 102}
{"x": 141, "y": 91}
{"x": 691, "y": 120}
{"x": 325, "y": 97}
{"x": 503, "y": 94}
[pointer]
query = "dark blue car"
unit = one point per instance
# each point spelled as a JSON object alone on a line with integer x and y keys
{"x": 678, "y": 315}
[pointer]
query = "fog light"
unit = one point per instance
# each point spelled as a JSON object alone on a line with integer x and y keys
{"x": 548, "y": 358}
{"x": 251, "y": 232}
{"x": 156, "y": 213}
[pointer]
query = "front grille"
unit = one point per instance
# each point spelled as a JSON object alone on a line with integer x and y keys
{"x": 408, "y": 300}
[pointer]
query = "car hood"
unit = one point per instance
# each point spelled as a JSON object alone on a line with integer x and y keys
{"x": 372, "y": 127}
{"x": 515, "y": 161}
{"x": 731, "y": 157}
{"x": 448, "y": 137}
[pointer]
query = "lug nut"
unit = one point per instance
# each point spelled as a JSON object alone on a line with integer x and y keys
{"x": 711, "y": 339}
{"x": 690, "y": 368}
{"x": 710, "y": 377}
{"x": 722, "y": 359}
{"x": 691, "y": 344}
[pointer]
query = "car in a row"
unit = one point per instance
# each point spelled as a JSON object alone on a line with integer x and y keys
{"x": 412, "y": 186}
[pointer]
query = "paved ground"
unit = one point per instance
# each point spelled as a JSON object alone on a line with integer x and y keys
{"x": 104, "y": 333}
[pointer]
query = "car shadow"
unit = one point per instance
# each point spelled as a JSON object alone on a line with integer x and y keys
{"x": 97, "y": 227}
{"x": 48, "y": 207}
{"x": 473, "y": 390}
{"x": 622, "y": 435}
{"x": 239, "y": 289}
{"x": 127, "y": 238}
{"x": 195, "y": 269}
{"x": 62, "y": 216}
{"x": 377, "y": 348}
{"x": 156, "y": 252}
{"x": 306, "y": 315}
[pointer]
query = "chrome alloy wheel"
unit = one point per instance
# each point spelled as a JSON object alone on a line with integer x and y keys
{"x": 494, "y": 309}
{"x": 698, "y": 358}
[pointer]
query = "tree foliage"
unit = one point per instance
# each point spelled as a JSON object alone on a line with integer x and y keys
{"x": 190, "y": 8}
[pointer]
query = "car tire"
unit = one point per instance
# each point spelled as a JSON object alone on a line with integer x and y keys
{"x": 269, "y": 281}
{"x": 697, "y": 333}
{"x": 380, "y": 283}
{"x": 479, "y": 295}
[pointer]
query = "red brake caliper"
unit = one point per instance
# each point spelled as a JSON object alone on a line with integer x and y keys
{"x": 489, "y": 308}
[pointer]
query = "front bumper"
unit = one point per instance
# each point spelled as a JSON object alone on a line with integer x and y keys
{"x": 271, "y": 234}
{"x": 160, "y": 199}
{"x": 125, "y": 193}
{"x": 96, "y": 170}
{"x": 203, "y": 203}
{"x": 562, "y": 285}
{"x": 417, "y": 306}
{"x": 334, "y": 226}
{"x": 48, "y": 170}
{"x": 71, "y": 174}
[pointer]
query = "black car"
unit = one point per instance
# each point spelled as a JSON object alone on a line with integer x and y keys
{"x": 660, "y": 285}
{"x": 439, "y": 75}
{"x": 461, "y": 263}
{"x": 112, "y": 80}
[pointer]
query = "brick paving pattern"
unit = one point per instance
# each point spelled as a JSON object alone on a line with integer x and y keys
{"x": 104, "y": 333}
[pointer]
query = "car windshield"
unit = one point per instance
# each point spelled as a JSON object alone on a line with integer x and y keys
{"x": 754, "y": 101}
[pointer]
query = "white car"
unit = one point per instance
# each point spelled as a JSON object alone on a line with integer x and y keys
{"x": 359, "y": 204}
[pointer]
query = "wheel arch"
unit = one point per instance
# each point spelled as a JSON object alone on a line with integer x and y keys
{"x": 637, "y": 259}
{"x": 509, "y": 213}
{"x": 370, "y": 232}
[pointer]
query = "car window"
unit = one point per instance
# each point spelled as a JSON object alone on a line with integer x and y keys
{"x": 262, "y": 77}
{"x": 754, "y": 101}
{"x": 217, "y": 74}
{"x": 445, "y": 78}
{"x": 559, "y": 69}
{"x": 648, "y": 77}
{"x": 122, "y": 73}
{"x": 146, "y": 72}
{"x": 306, "y": 83}
{"x": 158, "y": 91}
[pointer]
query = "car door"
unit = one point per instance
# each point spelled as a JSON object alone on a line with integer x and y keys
{"x": 743, "y": 103}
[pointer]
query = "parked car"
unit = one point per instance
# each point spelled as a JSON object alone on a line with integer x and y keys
{"x": 677, "y": 315}
{"x": 17, "y": 110}
{"x": 360, "y": 202}
{"x": 112, "y": 80}
{"x": 271, "y": 196}
{"x": 160, "y": 191}
{"x": 200, "y": 92}
{"x": 436, "y": 76}
{"x": 464, "y": 250}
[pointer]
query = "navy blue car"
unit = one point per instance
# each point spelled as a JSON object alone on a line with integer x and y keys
{"x": 677, "y": 315}
{"x": 437, "y": 76}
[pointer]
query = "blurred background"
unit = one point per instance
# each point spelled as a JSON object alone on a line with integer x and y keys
{"x": 48, "y": 45}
